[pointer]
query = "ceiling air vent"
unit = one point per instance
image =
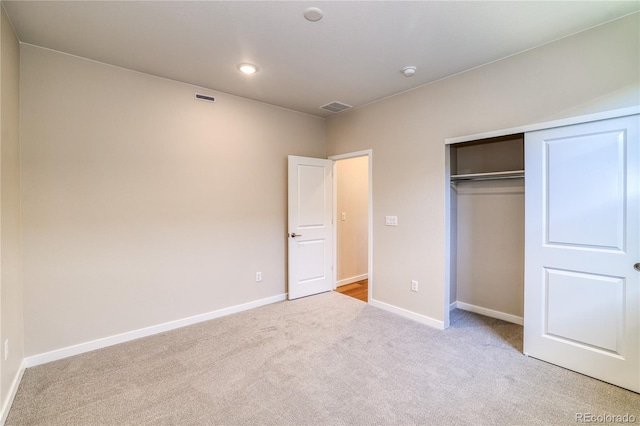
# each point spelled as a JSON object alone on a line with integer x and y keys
{"x": 335, "y": 106}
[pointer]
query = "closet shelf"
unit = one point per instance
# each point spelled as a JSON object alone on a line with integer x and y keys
{"x": 511, "y": 174}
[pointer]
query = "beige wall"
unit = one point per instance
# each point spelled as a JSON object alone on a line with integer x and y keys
{"x": 352, "y": 234}
{"x": 142, "y": 205}
{"x": 591, "y": 71}
{"x": 490, "y": 245}
{"x": 11, "y": 281}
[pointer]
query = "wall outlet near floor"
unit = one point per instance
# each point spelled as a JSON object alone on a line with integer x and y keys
{"x": 258, "y": 276}
{"x": 414, "y": 285}
{"x": 6, "y": 349}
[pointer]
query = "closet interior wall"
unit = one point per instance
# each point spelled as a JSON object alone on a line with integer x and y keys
{"x": 487, "y": 225}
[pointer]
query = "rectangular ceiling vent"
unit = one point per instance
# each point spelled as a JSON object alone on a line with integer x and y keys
{"x": 335, "y": 106}
{"x": 205, "y": 98}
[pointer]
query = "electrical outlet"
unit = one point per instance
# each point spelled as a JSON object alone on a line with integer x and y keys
{"x": 258, "y": 276}
{"x": 414, "y": 285}
{"x": 6, "y": 349}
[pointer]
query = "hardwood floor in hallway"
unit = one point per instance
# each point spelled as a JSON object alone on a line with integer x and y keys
{"x": 358, "y": 290}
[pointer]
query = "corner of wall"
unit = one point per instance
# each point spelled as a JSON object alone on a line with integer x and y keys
{"x": 12, "y": 364}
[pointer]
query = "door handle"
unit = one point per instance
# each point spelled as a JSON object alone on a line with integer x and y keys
{"x": 293, "y": 235}
{"x": 637, "y": 266}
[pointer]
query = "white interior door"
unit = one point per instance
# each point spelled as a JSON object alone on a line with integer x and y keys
{"x": 581, "y": 243}
{"x": 310, "y": 226}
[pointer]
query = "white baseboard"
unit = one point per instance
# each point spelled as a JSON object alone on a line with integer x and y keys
{"x": 12, "y": 394}
{"x": 144, "y": 332}
{"x": 423, "y": 319}
{"x": 352, "y": 280}
{"x": 487, "y": 312}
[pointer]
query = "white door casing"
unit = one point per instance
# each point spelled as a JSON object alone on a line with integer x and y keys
{"x": 582, "y": 239}
{"x": 310, "y": 226}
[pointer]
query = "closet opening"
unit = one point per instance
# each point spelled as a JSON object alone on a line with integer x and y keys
{"x": 485, "y": 199}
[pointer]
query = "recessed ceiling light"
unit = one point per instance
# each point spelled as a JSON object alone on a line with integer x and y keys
{"x": 409, "y": 71}
{"x": 313, "y": 14}
{"x": 248, "y": 68}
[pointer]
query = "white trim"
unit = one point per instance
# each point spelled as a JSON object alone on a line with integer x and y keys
{"x": 144, "y": 332}
{"x": 547, "y": 125}
{"x": 351, "y": 280}
{"x": 447, "y": 240}
{"x": 488, "y": 312}
{"x": 369, "y": 154}
{"x": 351, "y": 155}
{"x": 370, "y": 230}
{"x": 12, "y": 393}
{"x": 422, "y": 319}
{"x": 334, "y": 224}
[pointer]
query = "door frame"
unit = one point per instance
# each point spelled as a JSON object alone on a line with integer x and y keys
{"x": 448, "y": 244}
{"x": 369, "y": 154}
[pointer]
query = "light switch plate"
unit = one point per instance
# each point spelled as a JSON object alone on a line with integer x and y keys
{"x": 391, "y": 221}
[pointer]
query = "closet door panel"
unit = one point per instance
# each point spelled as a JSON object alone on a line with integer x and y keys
{"x": 585, "y": 206}
{"x": 599, "y": 326}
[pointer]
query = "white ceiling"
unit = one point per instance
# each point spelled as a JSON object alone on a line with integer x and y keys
{"x": 354, "y": 55}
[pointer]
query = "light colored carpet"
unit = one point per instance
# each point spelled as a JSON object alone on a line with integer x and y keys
{"x": 322, "y": 360}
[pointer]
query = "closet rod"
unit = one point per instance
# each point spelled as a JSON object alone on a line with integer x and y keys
{"x": 472, "y": 179}
{"x": 512, "y": 174}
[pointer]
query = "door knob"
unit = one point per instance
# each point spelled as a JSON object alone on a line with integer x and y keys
{"x": 293, "y": 235}
{"x": 637, "y": 266}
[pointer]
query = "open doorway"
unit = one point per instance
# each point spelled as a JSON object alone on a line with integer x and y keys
{"x": 352, "y": 219}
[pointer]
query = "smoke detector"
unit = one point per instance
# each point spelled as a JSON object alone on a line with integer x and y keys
{"x": 409, "y": 71}
{"x": 313, "y": 14}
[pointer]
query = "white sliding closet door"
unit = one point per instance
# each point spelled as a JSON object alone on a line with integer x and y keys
{"x": 582, "y": 235}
